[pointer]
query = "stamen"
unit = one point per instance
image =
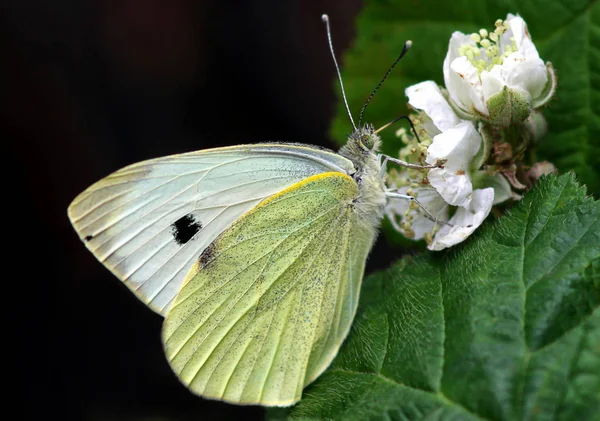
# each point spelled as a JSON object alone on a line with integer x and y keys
{"x": 490, "y": 44}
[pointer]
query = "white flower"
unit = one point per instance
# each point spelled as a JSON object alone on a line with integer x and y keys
{"x": 443, "y": 138}
{"x": 465, "y": 220}
{"x": 454, "y": 141}
{"x": 456, "y": 146}
{"x": 499, "y": 76}
{"x": 427, "y": 97}
{"x": 410, "y": 219}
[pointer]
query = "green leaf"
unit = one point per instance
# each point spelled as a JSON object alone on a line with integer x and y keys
{"x": 573, "y": 141}
{"x": 506, "y": 327}
{"x": 567, "y": 33}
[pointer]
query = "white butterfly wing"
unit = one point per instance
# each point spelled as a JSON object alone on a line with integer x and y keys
{"x": 149, "y": 222}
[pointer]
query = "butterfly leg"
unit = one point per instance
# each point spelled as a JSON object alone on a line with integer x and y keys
{"x": 392, "y": 194}
{"x": 409, "y": 165}
{"x": 428, "y": 214}
{"x": 405, "y": 164}
{"x": 383, "y": 164}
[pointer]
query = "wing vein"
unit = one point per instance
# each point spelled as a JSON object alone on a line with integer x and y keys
{"x": 141, "y": 195}
{"x": 169, "y": 241}
{"x": 258, "y": 302}
{"x": 242, "y": 296}
{"x": 337, "y": 295}
{"x": 216, "y": 325}
{"x": 286, "y": 366}
{"x": 97, "y": 205}
{"x": 144, "y": 227}
{"x": 205, "y": 171}
{"x": 172, "y": 276}
{"x": 192, "y": 257}
{"x": 287, "y": 320}
{"x": 258, "y": 236}
{"x": 222, "y": 286}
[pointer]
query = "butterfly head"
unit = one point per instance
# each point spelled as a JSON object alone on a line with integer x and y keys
{"x": 362, "y": 141}
{"x": 366, "y": 138}
{"x": 362, "y": 149}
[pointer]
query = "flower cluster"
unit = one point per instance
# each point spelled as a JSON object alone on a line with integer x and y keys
{"x": 497, "y": 77}
{"x": 475, "y": 132}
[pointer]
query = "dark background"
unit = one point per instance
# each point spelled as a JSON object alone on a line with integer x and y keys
{"x": 89, "y": 87}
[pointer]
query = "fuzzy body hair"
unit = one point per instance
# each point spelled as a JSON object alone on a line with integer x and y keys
{"x": 361, "y": 148}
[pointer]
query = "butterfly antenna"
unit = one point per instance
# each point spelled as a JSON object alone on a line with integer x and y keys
{"x": 407, "y": 46}
{"x": 402, "y": 117}
{"x": 325, "y": 20}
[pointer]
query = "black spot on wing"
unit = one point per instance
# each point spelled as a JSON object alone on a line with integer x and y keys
{"x": 185, "y": 228}
{"x": 88, "y": 237}
{"x": 207, "y": 255}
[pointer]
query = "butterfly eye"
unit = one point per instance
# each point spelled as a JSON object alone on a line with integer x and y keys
{"x": 367, "y": 141}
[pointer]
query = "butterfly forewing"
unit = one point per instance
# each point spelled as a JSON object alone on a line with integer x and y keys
{"x": 149, "y": 222}
{"x": 266, "y": 307}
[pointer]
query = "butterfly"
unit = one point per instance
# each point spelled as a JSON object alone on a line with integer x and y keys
{"x": 253, "y": 254}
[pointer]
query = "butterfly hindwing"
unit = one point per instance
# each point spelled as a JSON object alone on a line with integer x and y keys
{"x": 266, "y": 307}
{"x": 149, "y": 222}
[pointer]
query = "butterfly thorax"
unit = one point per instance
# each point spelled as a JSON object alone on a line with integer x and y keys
{"x": 361, "y": 148}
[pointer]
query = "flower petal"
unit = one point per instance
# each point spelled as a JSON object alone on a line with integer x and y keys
{"x": 465, "y": 220}
{"x": 501, "y": 186}
{"x": 427, "y": 96}
{"x": 460, "y": 77}
{"x": 549, "y": 90}
{"x": 456, "y": 41}
{"x": 454, "y": 187}
{"x": 466, "y": 85}
{"x": 519, "y": 31}
{"x": 529, "y": 75}
{"x": 492, "y": 82}
{"x": 458, "y": 145}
